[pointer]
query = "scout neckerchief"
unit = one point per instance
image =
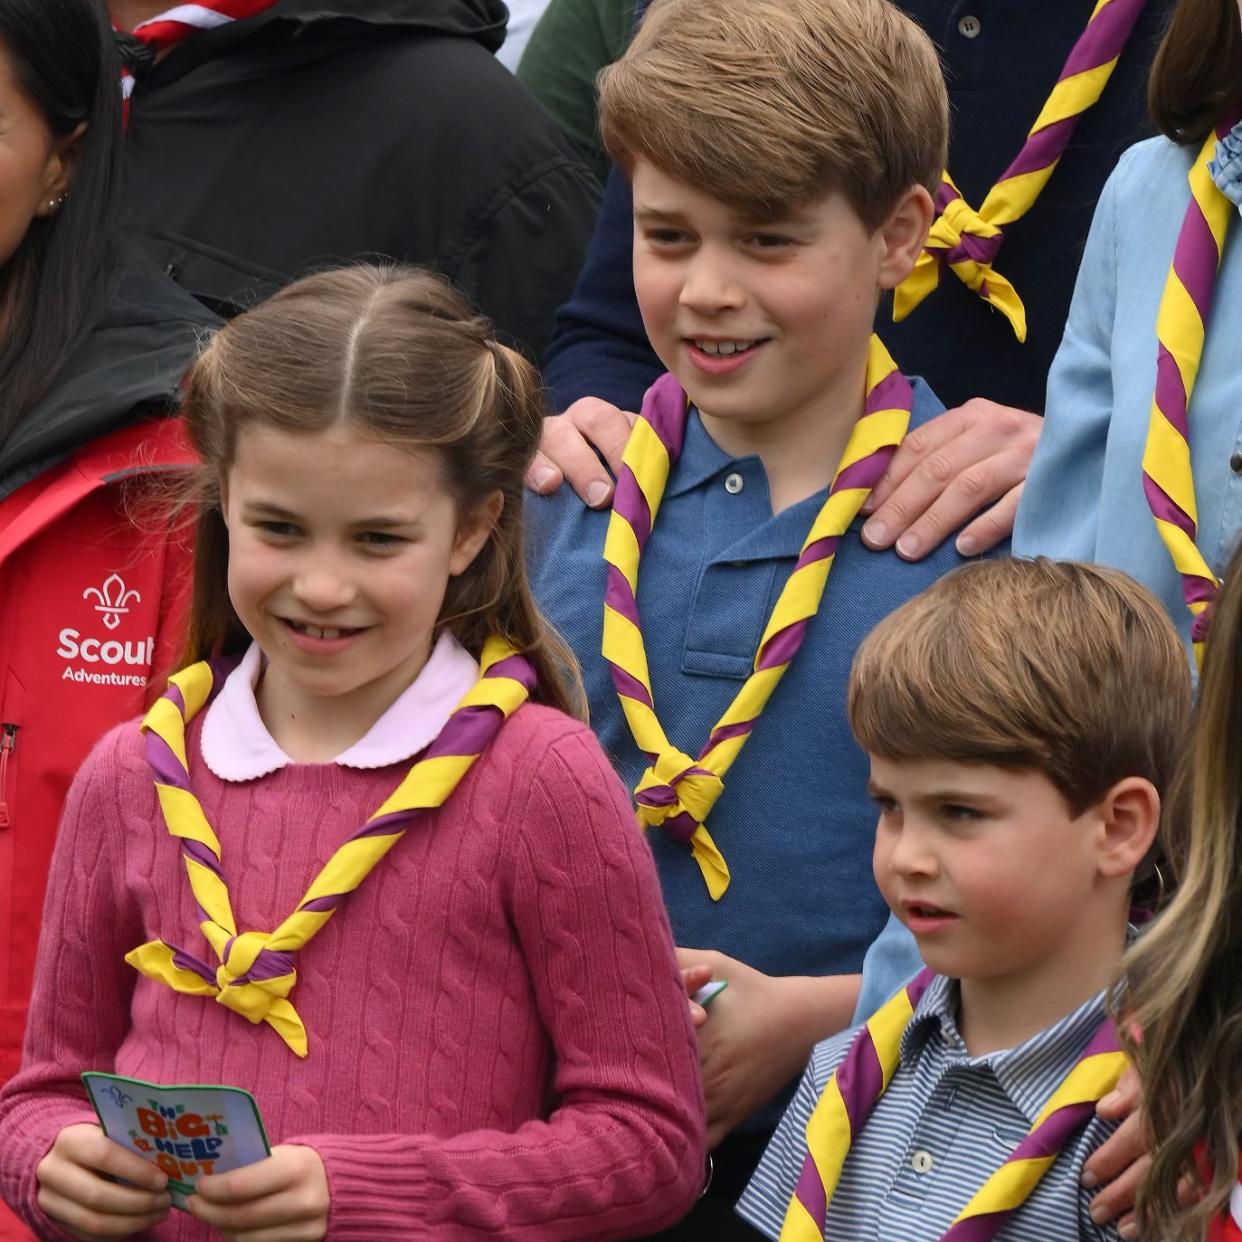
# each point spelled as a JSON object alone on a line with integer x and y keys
{"x": 966, "y": 240}
{"x": 159, "y": 34}
{"x": 1181, "y": 326}
{"x": 676, "y": 792}
{"x": 256, "y": 971}
{"x": 864, "y": 1075}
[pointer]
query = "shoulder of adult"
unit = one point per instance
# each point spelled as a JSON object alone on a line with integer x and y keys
{"x": 1147, "y": 163}
{"x": 131, "y": 363}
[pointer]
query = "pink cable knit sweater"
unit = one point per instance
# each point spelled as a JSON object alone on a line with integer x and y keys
{"x": 499, "y": 1039}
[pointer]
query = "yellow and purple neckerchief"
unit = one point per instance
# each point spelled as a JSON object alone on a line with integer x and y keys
{"x": 256, "y": 971}
{"x": 1181, "y": 329}
{"x": 864, "y": 1076}
{"x": 966, "y": 241}
{"x": 677, "y": 792}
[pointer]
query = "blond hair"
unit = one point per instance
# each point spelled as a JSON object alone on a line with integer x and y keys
{"x": 395, "y": 353}
{"x": 1185, "y": 975}
{"x": 1073, "y": 670}
{"x": 772, "y": 103}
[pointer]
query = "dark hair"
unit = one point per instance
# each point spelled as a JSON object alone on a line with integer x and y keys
{"x": 1197, "y": 75}
{"x": 54, "y": 288}
{"x": 395, "y": 354}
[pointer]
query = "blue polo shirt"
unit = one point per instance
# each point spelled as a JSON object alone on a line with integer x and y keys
{"x": 795, "y": 823}
{"x": 946, "y": 1123}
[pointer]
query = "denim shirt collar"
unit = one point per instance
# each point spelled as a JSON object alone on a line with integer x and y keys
{"x": 1226, "y": 168}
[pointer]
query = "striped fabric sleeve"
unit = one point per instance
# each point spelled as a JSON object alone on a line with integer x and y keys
{"x": 767, "y": 1197}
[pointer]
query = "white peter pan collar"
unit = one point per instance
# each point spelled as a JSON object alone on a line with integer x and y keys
{"x": 236, "y": 745}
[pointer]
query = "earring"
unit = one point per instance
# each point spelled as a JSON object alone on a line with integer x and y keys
{"x": 55, "y": 204}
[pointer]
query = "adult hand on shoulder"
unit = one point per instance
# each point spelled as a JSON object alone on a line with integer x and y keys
{"x": 949, "y": 471}
{"x": 1120, "y": 1164}
{"x": 75, "y": 1190}
{"x": 568, "y": 447}
{"x": 759, "y": 1032}
{"x": 284, "y": 1198}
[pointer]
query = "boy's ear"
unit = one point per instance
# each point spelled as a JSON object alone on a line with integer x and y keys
{"x": 474, "y": 530}
{"x": 1129, "y": 817}
{"x": 902, "y": 235}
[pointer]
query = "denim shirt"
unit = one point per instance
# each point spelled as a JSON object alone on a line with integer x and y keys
{"x": 1083, "y": 498}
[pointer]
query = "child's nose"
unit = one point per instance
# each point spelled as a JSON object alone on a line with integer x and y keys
{"x": 321, "y": 589}
{"x": 710, "y": 286}
{"x": 911, "y": 854}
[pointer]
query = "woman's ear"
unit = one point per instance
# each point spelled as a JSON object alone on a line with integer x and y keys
{"x": 474, "y": 531}
{"x": 58, "y": 175}
{"x": 902, "y": 235}
{"x": 1129, "y": 818}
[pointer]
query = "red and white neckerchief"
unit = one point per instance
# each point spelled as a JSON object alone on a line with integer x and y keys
{"x": 168, "y": 29}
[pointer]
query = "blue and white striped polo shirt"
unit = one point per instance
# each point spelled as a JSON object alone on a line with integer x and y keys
{"x": 946, "y": 1123}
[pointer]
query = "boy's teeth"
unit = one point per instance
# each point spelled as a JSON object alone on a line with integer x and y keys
{"x": 724, "y": 347}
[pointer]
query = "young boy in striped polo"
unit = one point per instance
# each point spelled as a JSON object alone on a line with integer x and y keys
{"x": 1022, "y": 720}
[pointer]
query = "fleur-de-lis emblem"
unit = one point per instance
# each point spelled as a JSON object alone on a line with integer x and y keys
{"x": 114, "y": 599}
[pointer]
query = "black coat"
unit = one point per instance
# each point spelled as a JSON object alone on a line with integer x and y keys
{"x": 321, "y": 133}
{"x": 130, "y": 365}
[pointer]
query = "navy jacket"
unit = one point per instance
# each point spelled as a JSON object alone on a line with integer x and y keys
{"x": 998, "y": 81}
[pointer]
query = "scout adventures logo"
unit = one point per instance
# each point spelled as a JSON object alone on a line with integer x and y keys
{"x": 114, "y": 600}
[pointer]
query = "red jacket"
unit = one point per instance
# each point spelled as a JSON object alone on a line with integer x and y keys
{"x": 92, "y": 590}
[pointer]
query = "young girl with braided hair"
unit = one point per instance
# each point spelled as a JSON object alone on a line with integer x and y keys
{"x": 359, "y": 859}
{"x": 1185, "y": 985}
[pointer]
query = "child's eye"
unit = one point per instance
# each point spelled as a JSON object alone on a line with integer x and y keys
{"x": 771, "y": 241}
{"x": 379, "y": 539}
{"x": 666, "y": 238}
{"x": 277, "y": 530}
{"x": 956, "y": 811}
{"x": 887, "y": 807}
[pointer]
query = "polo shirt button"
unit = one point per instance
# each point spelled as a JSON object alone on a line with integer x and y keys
{"x": 734, "y": 484}
{"x": 1235, "y": 463}
{"x": 922, "y": 1162}
{"x": 969, "y": 27}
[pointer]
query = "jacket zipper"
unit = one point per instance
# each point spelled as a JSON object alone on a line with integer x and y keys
{"x": 8, "y": 744}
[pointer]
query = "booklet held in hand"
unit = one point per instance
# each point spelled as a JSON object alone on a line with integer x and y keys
{"x": 190, "y": 1131}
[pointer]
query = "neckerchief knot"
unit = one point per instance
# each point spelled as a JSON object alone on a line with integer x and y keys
{"x": 965, "y": 242}
{"x": 676, "y": 793}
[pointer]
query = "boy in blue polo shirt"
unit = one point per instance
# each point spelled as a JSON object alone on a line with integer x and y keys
{"x": 781, "y": 184}
{"x": 1022, "y": 719}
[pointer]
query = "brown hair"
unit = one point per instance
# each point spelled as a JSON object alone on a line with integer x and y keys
{"x": 1185, "y": 975}
{"x": 772, "y": 103}
{"x": 1073, "y": 670}
{"x": 1197, "y": 75}
{"x": 396, "y": 354}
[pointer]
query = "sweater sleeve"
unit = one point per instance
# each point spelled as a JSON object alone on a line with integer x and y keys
{"x": 1059, "y": 514}
{"x": 622, "y": 1152}
{"x": 79, "y": 1011}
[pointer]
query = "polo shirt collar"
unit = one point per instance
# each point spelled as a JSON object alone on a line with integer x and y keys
{"x": 236, "y": 745}
{"x": 1029, "y": 1073}
{"x": 701, "y": 459}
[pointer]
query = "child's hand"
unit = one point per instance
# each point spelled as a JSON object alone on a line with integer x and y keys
{"x": 74, "y": 1189}
{"x": 281, "y": 1199}
{"x": 693, "y": 978}
{"x": 760, "y": 1033}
